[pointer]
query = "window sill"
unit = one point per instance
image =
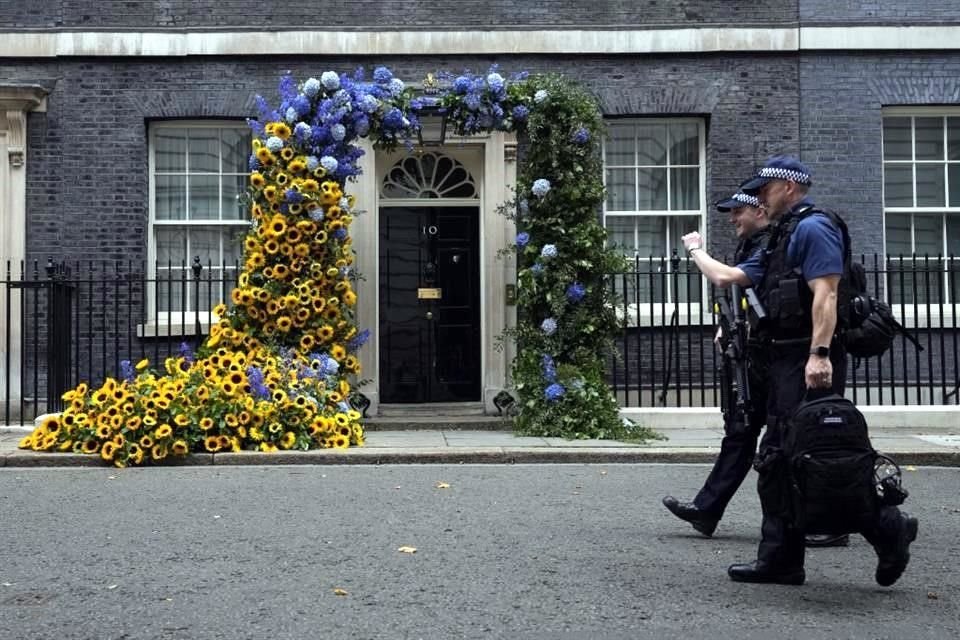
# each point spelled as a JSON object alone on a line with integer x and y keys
{"x": 164, "y": 330}
{"x": 658, "y": 314}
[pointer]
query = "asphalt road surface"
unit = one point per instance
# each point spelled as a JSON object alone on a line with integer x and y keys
{"x": 525, "y": 551}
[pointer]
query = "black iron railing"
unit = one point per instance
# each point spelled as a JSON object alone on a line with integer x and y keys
{"x": 667, "y": 358}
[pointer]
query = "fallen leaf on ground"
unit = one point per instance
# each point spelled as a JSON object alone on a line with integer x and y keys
{"x": 910, "y": 467}
{"x": 111, "y": 477}
{"x": 603, "y": 473}
{"x": 406, "y": 549}
{"x": 443, "y": 485}
{"x": 932, "y": 595}
{"x": 113, "y": 586}
{"x": 339, "y": 592}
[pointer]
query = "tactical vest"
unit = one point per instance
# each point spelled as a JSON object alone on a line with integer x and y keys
{"x": 784, "y": 292}
{"x": 748, "y": 246}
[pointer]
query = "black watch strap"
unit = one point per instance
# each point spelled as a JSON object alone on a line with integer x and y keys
{"x": 821, "y": 352}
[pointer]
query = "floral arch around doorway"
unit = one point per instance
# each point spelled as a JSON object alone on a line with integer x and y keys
{"x": 276, "y": 369}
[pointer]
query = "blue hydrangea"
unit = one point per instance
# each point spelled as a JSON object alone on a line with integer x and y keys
{"x": 312, "y": 162}
{"x": 549, "y": 326}
{"x": 186, "y": 352}
{"x": 274, "y": 144}
{"x": 362, "y": 126}
{"x": 317, "y": 214}
{"x": 369, "y": 103}
{"x": 329, "y": 163}
{"x": 520, "y": 113}
{"x": 393, "y": 119}
{"x": 540, "y": 96}
{"x": 549, "y": 251}
{"x": 462, "y": 85}
{"x": 344, "y": 204}
{"x": 495, "y": 81}
{"x": 524, "y": 207}
{"x": 536, "y": 268}
{"x": 382, "y": 75}
{"x": 330, "y": 80}
{"x": 302, "y": 131}
{"x": 291, "y": 115}
{"x": 340, "y": 234}
{"x": 396, "y": 86}
{"x": 252, "y": 163}
{"x": 549, "y": 368}
{"x": 554, "y": 392}
{"x": 576, "y": 291}
{"x": 127, "y": 370}
{"x": 472, "y": 101}
{"x": 541, "y": 186}
{"x": 257, "y": 386}
{"x": 522, "y": 239}
{"x": 577, "y": 384}
{"x": 311, "y": 87}
{"x": 580, "y": 136}
{"x": 338, "y": 132}
{"x": 293, "y": 196}
{"x": 302, "y": 104}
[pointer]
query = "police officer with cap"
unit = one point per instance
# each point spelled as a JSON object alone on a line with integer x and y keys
{"x": 798, "y": 275}
{"x": 740, "y": 440}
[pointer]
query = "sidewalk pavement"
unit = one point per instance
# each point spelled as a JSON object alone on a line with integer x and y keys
{"x": 936, "y": 447}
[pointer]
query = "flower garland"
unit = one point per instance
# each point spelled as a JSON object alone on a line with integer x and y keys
{"x": 274, "y": 371}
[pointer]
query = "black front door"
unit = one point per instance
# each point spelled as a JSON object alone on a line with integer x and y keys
{"x": 429, "y": 304}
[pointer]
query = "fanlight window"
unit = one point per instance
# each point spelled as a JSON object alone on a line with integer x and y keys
{"x": 429, "y": 175}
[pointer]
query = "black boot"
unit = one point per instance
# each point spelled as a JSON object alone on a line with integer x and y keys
{"x": 827, "y": 540}
{"x": 757, "y": 571}
{"x": 893, "y": 558}
{"x": 705, "y": 523}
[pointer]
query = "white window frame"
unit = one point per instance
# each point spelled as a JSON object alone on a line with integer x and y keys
{"x": 689, "y": 313}
{"x": 179, "y": 323}
{"x": 907, "y": 315}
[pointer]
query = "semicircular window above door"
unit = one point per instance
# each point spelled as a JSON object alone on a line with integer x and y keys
{"x": 428, "y": 175}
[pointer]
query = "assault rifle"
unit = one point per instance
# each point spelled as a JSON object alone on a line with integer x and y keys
{"x": 735, "y": 400}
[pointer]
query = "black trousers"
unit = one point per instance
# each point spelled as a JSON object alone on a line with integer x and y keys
{"x": 782, "y": 544}
{"x": 736, "y": 455}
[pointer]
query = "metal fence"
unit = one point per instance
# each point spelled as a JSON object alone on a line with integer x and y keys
{"x": 61, "y": 324}
{"x": 667, "y": 358}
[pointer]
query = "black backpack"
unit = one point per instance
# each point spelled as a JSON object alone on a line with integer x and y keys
{"x": 831, "y": 466}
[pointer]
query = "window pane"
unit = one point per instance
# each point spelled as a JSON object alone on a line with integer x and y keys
{"x": 953, "y": 179}
{"x": 953, "y": 138}
{"x": 620, "y": 233}
{"x": 171, "y": 246}
{"x": 652, "y": 189}
{"x": 651, "y": 235}
{"x": 685, "y": 143}
{"x": 233, "y": 245}
{"x": 204, "y": 151}
{"x": 206, "y": 244}
{"x": 928, "y": 235}
{"x": 896, "y": 139}
{"x": 684, "y": 189}
{"x": 235, "y": 146}
{"x": 898, "y": 185}
{"x": 929, "y": 132}
{"x": 233, "y": 186}
{"x": 953, "y": 236}
{"x": 930, "y": 185}
{"x": 621, "y": 190}
{"x": 170, "y": 149}
{"x": 680, "y": 225}
{"x": 204, "y": 198}
{"x": 651, "y": 144}
{"x": 169, "y": 292}
{"x": 170, "y": 197}
{"x": 898, "y": 234}
{"x": 619, "y": 148}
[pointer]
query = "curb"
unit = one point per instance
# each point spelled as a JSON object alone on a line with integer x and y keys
{"x": 491, "y": 455}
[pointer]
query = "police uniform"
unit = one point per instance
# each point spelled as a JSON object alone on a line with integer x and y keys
{"x": 803, "y": 245}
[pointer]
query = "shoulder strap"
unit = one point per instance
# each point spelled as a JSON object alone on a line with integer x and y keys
{"x": 837, "y": 222}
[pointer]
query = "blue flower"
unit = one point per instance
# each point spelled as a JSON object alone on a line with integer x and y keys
{"x": 311, "y": 87}
{"x": 330, "y": 80}
{"x": 495, "y": 81}
{"x": 127, "y": 370}
{"x": 302, "y": 132}
{"x": 312, "y": 163}
{"x": 329, "y": 163}
{"x": 554, "y": 392}
{"x": 293, "y": 196}
{"x": 186, "y": 352}
{"x": 576, "y": 291}
{"x": 302, "y": 104}
{"x": 540, "y": 96}
{"x": 358, "y": 340}
{"x": 522, "y": 239}
{"x": 549, "y": 326}
{"x": 382, "y": 75}
{"x": 549, "y": 368}
{"x": 462, "y": 84}
{"x": 291, "y": 115}
{"x": 369, "y": 103}
{"x": 536, "y": 268}
{"x": 257, "y": 386}
{"x": 396, "y": 87}
{"x": 394, "y": 119}
{"x": 580, "y": 136}
{"x": 317, "y": 214}
{"x": 472, "y": 101}
{"x": 274, "y": 144}
{"x": 541, "y": 186}
{"x": 340, "y": 234}
{"x": 338, "y": 132}
{"x": 549, "y": 251}
{"x": 520, "y": 112}
{"x": 252, "y": 163}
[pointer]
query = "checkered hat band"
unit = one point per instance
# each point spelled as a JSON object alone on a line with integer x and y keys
{"x": 747, "y": 199}
{"x": 785, "y": 174}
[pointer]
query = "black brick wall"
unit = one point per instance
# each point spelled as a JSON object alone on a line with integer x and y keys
{"x": 389, "y": 14}
{"x": 879, "y": 12}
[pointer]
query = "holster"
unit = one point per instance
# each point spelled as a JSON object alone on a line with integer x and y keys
{"x": 773, "y": 483}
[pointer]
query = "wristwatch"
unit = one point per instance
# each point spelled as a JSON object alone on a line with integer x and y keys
{"x": 820, "y": 352}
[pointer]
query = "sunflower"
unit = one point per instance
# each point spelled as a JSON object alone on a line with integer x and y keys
{"x": 325, "y": 332}
{"x": 26, "y": 442}
{"x": 286, "y": 153}
{"x": 338, "y": 352}
{"x": 341, "y": 442}
{"x": 146, "y": 442}
{"x": 349, "y": 298}
{"x": 143, "y": 364}
{"x": 231, "y": 420}
{"x": 257, "y": 181}
{"x": 270, "y": 193}
{"x": 158, "y": 452}
{"x": 163, "y": 431}
{"x": 289, "y": 439}
{"x": 268, "y": 447}
{"x": 119, "y": 440}
{"x": 181, "y": 420}
{"x": 297, "y": 165}
{"x": 180, "y": 448}
{"x": 284, "y": 323}
{"x": 211, "y": 443}
{"x": 307, "y": 341}
{"x": 281, "y": 130}
{"x": 108, "y": 450}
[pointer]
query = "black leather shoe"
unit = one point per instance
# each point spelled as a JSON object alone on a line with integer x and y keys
{"x": 827, "y": 540}
{"x": 893, "y": 561}
{"x": 702, "y": 522}
{"x": 760, "y": 572}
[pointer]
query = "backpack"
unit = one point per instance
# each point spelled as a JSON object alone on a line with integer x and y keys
{"x": 866, "y": 325}
{"x": 831, "y": 466}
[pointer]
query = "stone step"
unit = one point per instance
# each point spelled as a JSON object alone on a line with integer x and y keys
{"x": 437, "y": 422}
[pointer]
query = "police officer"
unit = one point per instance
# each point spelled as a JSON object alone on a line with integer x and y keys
{"x": 798, "y": 274}
{"x": 740, "y": 440}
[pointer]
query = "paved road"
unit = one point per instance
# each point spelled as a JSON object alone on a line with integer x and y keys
{"x": 525, "y": 551}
